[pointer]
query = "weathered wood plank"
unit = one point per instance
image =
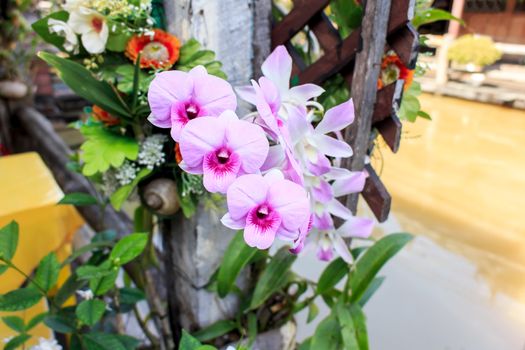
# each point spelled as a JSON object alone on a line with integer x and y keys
{"x": 296, "y": 20}
{"x": 405, "y": 42}
{"x": 325, "y": 32}
{"x": 376, "y": 195}
{"x": 388, "y": 101}
{"x": 364, "y": 84}
{"x": 390, "y": 130}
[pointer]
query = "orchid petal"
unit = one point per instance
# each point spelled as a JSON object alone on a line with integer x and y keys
{"x": 278, "y": 68}
{"x": 247, "y": 93}
{"x": 336, "y": 208}
{"x": 291, "y": 201}
{"x": 337, "y": 118}
{"x": 249, "y": 142}
{"x": 302, "y": 93}
{"x": 218, "y": 177}
{"x": 233, "y": 224}
{"x": 201, "y": 136}
{"x": 245, "y": 193}
{"x": 332, "y": 147}
{"x": 352, "y": 184}
{"x": 261, "y": 234}
{"x": 356, "y": 227}
{"x": 274, "y": 159}
{"x": 341, "y": 248}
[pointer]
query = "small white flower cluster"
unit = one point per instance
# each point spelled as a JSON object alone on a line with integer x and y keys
{"x": 109, "y": 182}
{"x": 151, "y": 154}
{"x": 126, "y": 173}
{"x": 46, "y": 344}
{"x": 86, "y": 294}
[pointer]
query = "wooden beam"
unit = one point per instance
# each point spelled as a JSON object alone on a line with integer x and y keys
{"x": 376, "y": 195}
{"x": 390, "y": 130}
{"x": 405, "y": 42}
{"x": 295, "y": 21}
{"x": 364, "y": 84}
{"x": 388, "y": 101}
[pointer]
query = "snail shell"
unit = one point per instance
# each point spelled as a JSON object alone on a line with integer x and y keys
{"x": 161, "y": 196}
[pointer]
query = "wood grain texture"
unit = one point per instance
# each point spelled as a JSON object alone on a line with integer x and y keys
{"x": 376, "y": 195}
{"x": 405, "y": 42}
{"x": 364, "y": 84}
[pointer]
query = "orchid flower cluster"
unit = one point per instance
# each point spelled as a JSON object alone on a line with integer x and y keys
{"x": 278, "y": 166}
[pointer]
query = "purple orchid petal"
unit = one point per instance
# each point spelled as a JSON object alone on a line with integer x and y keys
{"x": 220, "y": 169}
{"x": 325, "y": 253}
{"x": 233, "y": 224}
{"x": 302, "y": 93}
{"x": 338, "y": 173}
{"x": 274, "y": 159}
{"x": 249, "y": 142}
{"x": 292, "y": 169}
{"x": 356, "y": 227}
{"x": 213, "y": 94}
{"x": 352, "y": 184}
{"x": 278, "y": 68}
{"x": 332, "y": 147}
{"x": 247, "y": 93}
{"x": 304, "y": 230}
{"x": 323, "y": 222}
{"x": 245, "y": 193}
{"x": 320, "y": 167}
{"x": 337, "y": 118}
{"x": 163, "y": 93}
{"x": 200, "y": 137}
{"x": 273, "y": 176}
{"x": 336, "y": 208}
{"x": 196, "y": 170}
{"x": 297, "y": 123}
{"x": 291, "y": 201}
{"x": 323, "y": 192}
{"x": 267, "y": 103}
{"x": 341, "y": 247}
{"x": 261, "y": 226}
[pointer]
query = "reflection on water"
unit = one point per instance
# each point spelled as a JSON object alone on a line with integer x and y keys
{"x": 458, "y": 184}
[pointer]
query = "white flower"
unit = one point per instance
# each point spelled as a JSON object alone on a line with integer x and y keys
{"x": 86, "y": 294}
{"x": 61, "y": 28}
{"x": 151, "y": 154}
{"x": 126, "y": 173}
{"x": 74, "y": 5}
{"x": 45, "y": 344}
{"x": 7, "y": 340}
{"x": 92, "y": 27}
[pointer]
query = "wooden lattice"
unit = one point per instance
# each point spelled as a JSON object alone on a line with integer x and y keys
{"x": 395, "y": 34}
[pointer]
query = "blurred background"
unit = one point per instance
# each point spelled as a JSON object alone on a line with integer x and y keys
{"x": 457, "y": 182}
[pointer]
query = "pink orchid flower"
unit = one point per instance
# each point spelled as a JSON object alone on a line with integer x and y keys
{"x": 222, "y": 148}
{"x": 176, "y": 97}
{"x": 266, "y": 207}
{"x": 277, "y": 70}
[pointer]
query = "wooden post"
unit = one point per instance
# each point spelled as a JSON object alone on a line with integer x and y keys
{"x": 239, "y": 32}
{"x": 364, "y": 83}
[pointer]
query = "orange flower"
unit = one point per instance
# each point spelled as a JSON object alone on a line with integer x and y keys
{"x": 393, "y": 69}
{"x": 178, "y": 155}
{"x": 158, "y": 51}
{"x": 103, "y": 116}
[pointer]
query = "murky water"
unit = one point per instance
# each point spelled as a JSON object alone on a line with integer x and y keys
{"x": 458, "y": 184}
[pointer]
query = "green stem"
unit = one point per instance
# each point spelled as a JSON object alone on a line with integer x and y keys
{"x": 11, "y": 265}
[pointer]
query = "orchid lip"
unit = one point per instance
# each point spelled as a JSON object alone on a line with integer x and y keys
{"x": 263, "y": 211}
{"x": 192, "y": 111}
{"x": 223, "y": 156}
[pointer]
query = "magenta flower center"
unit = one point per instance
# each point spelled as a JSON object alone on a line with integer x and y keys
{"x": 263, "y": 211}
{"x": 192, "y": 110}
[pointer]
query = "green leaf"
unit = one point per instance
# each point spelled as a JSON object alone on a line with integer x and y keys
{"x": 327, "y": 335}
{"x": 8, "y": 240}
{"x": 305, "y": 345}
{"x": 215, "y": 330}
{"x": 433, "y": 15}
{"x": 409, "y": 108}
{"x": 128, "y": 248}
{"x": 130, "y": 295}
{"x": 47, "y": 273}
{"x": 188, "y": 342}
{"x": 19, "y": 299}
{"x": 102, "y": 285}
{"x": 17, "y": 342}
{"x": 424, "y": 115}
{"x": 206, "y": 347}
{"x": 91, "y": 311}
{"x": 236, "y": 257}
{"x": 81, "y": 81}
{"x": 86, "y": 249}
{"x": 104, "y": 148}
{"x": 107, "y": 341}
{"x": 35, "y": 321}
{"x": 313, "y": 311}
{"x": 348, "y": 332}
{"x": 88, "y": 272}
{"x": 347, "y": 14}
{"x": 3, "y": 268}
{"x": 359, "y": 320}
{"x": 121, "y": 195}
{"x": 78, "y": 199}
{"x": 41, "y": 27}
{"x": 68, "y": 289}
{"x": 274, "y": 277}
{"x": 117, "y": 41}
{"x": 60, "y": 323}
{"x": 372, "y": 260}
{"x": 332, "y": 274}
{"x": 191, "y": 56}
{"x": 15, "y": 323}
{"x": 372, "y": 288}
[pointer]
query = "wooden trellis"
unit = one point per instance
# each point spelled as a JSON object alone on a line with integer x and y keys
{"x": 375, "y": 110}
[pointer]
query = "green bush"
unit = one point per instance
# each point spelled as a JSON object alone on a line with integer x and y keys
{"x": 474, "y": 49}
